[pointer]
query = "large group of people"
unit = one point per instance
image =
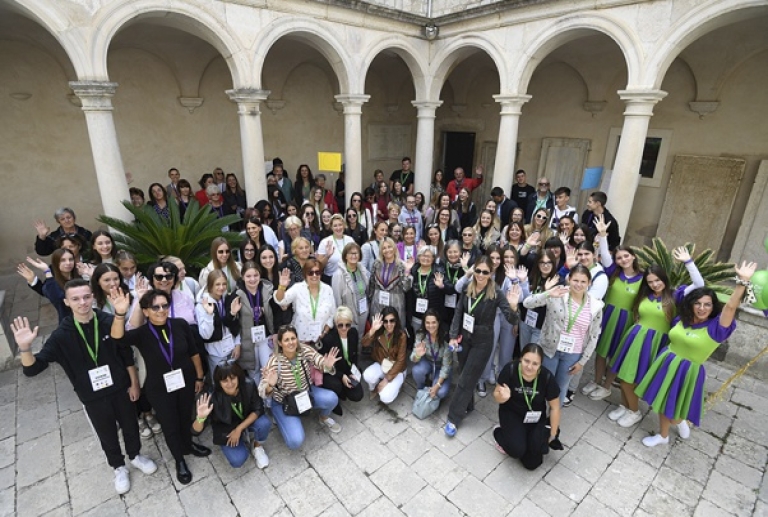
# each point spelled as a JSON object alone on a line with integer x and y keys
{"x": 317, "y": 302}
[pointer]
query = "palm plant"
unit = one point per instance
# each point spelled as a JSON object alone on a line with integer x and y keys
{"x": 714, "y": 273}
{"x": 151, "y": 236}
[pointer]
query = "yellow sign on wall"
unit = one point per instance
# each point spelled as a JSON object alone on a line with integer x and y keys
{"x": 329, "y": 162}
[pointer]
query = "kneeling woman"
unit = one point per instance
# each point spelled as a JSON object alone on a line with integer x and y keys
{"x": 286, "y": 380}
{"x": 524, "y": 391}
{"x": 234, "y": 407}
{"x": 431, "y": 357}
{"x": 345, "y": 381}
{"x": 387, "y": 374}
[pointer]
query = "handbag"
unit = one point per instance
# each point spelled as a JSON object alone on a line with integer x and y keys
{"x": 386, "y": 365}
{"x": 424, "y": 405}
{"x": 300, "y": 401}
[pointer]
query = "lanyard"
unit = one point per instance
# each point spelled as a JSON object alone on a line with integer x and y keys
{"x": 423, "y": 285}
{"x": 238, "y": 409}
{"x": 455, "y": 275}
{"x": 403, "y": 178}
{"x": 522, "y": 388}
{"x": 360, "y": 285}
{"x": 573, "y": 317}
{"x": 220, "y": 305}
{"x": 387, "y": 273}
{"x": 344, "y": 351}
{"x": 296, "y": 371}
{"x": 472, "y": 306}
{"x": 168, "y": 354}
{"x": 313, "y": 302}
{"x": 255, "y": 305}
{"x": 93, "y": 352}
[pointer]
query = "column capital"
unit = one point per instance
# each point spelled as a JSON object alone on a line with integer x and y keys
{"x": 248, "y": 95}
{"x": 352, "y": 103}
{"x": 94, "y": 95}
{"x": 426, "y": 105}
{"x": 640, "y": 102}
{"x": 511, "y": 104}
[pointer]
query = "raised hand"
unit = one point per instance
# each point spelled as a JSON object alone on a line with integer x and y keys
{"x": 681, "y": 254}
{"x": 270, "y": 375}
{"x": 513, "y": 296}
{"x": 85, "y": 270}
{"x": 204, "y": 405}
{"x": 236, "y": 306}
{"x": 565, "y": 238}
{"x": 27, "y": 273}
{"x": 746, "y": 270}
{"x": 420, "y": 349}
{"x": 439, "y": 280}
{"x": 376, "y": 323}
{"x": 533, "y": 240}
{"x": 42, "y": 229}
{"x": 142, "y": 286}
{"x": 208, "y": 304}
{"x": 479, "y": 170}
{"x": 331, "y": 357}
{"x": 23, "y": 334}
{"x": 522, "y": 273}
{"x": 551, "y": 282}
{"x": 285, "y": 277}
{"x": 558, "y": 291}
{"x": 465, "y": 260}
{"x": 601, "y": 225}
{"x": 571, "y": 259}
{"x": 509, "y": 271}
{"x": 409, "y": 264}
{"x": 37, "y": 264}
{"x": 502, "y": 393}
{"x": 329, "y": 248}
{"x": 120, "y": 301}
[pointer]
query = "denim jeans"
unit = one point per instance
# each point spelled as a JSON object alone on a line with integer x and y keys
{"x": 506, "y": 342}
{"x": 238, "y": 454}
{"x": 291, "y": 427}
{"x": 423, "y": 368}
{"x": 559, "y": 364}
{"x": 529, "y": 334}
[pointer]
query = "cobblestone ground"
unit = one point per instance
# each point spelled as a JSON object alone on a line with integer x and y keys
{"x": 385, "y": 461}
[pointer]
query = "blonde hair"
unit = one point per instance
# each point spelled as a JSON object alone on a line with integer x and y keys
{"x": 490, "y": 288}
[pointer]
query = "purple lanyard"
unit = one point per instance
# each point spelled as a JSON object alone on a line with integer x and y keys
{"x": 434, "y": 355}
{"x": 387, "y": 273}
{"x": 220, "y": 305}
{"x": 255, "y": 305}
{"x": 169, "y": 353}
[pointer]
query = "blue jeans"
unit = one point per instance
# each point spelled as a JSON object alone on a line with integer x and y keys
{"x": 529, "y": 334}
{"x": 559, "y": 365}
{"x": 291, "y": 427}
{"x": 423, "y": 368}
{"x": 237, "y": 455}
{"x": 506, "y": 342}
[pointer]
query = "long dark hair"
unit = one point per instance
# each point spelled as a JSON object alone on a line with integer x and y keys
{"x": 667, "y": 297}
{"x": 56, "y": 269}
{"x": 274, "y": 277}
{"x": 98, "y": 293}
{"x": 498, "y": 275}
{"x": 398, "y": 331}
{"x": 440, "y": 330}
{"x": 686, "y": 306}
{"x": 587, "y": 233}
{"x": 635, "y": 263}
{"x": 537, "y": 280}
{"x": 95, "y": 257}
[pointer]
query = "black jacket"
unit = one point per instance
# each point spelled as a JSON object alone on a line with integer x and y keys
{"x": 231, "y": 322}
{"x": 529, "y": 209}
{"x": 224, "y": 419}
{"x": 506, "y": 210}
{"x": 47, "y": 246}
{"x": 332, "y": 339}
{"x": 614, "y": 237}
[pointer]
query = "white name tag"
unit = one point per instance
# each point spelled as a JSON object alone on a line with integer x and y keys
{"x": 258, "y": 334}
{"x": 421, "y": 305}
{"x": 101, "y": 377}
{"x": 532, "y": 417}
{"x": 469, "y": 323}
{"x": 303, "y": 403}
{"x": 450, "y": 301}
{"x": 174, "y": 380}
{"x": 225, "y": 228}
{"x": 384, "y": 297}
{"x": 566, "y": 344}
{"x": 314, "y": 330}
{"x": 362, "y": 306}
{"x": 531, "y": 318}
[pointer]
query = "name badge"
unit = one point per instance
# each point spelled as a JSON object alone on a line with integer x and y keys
{"x": 468, "y": 323}
{"x": 531, "y": 318}
{"x": 303, "y": 403}
{"x": 258, "y": 334}
{"x": 532, "y": 417}
{"x": 362, "y": 305}
{"x": 174, "y": 380}
{"x": 421, "y": 305}
{"x": 314, "y": 330}
{"x": 566, "y": 344}
{"x": 450, "y": 301}
{"x": 225, "y": 228}
{"x": 101, "y": 377}
{"x": 384, "y": 297}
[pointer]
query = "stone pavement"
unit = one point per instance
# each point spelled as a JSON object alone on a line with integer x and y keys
{"x": 387, "y": 462}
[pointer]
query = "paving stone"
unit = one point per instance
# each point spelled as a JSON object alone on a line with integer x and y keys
{"x": 591, "y": 507}
{"x": 742, "y": 397}
{"x": 37, "y": 459}
{"x": 335, "y": 510}
{"x": 678, "y": 485}
{"x": 746, "y": 451}
{"x": 387, "y": 428}
{"x": 252, "y": 494}
{"x": 351, "y": 426}
{"x": 729, "y": 495}
{"x": 594, "y": 407}
{"x": 439, "y": 471}
{"x": 66, "y": 398}
{"x": 474, "y": 426}
{"x": 738, "y": 471}
{"x": 284, "y": 463}
{"x": 751, "y": 425}
{"x": 703, "y": 442}
{"x": 33, "y": 423}
{"x": 653, "y": 456}
{"x": 205, "y": 498}
{"x": 397, "y": 482}
{"x": 707, "y": 509}
{"x": 473, "y": 497}
{"x": 367, "y": 452}
{"x": 624, "y": 483}
{"x": 657, "y": 502}
{"x": 164, "y": 502}
{"x": 574, "y": 423}
{"x": 429, "y": 503}
{"x": 226, "y": 472}
{"x": 603, "y": 441}
{"x": 7, "y": 476}
{"x": 7, "y": 451}
{"x": 587, "y": 461}
{"x": 8, "y": 391}
{"x": 43, "y": 497}
{"x": 527, "y": 508}
{"x": 479, "y": 458}
{"x": 716, "y": 424}
{"x": 7, "y": 502}
{"x": 724, "y": 408}
{"x": 382, "y": 507}
{"x": 448, "y": 446}
{"x": 8, "y": 422}
{"x": 551, "y": 500}
{"x": 115, "y": 507}
{"x": 524, "y": 479}
{"x": 568, "y": 482}
{"x": 761, "y": 509}
{"x": 409, "y": 446}
{"x": 345, "y": 479}
{"x": 316, "y": 496}
{"x": 92, "y": 487}
{"x": 74, "y": 427}
{"x": 763, "y": 493}
{"x": 690, "y": 462}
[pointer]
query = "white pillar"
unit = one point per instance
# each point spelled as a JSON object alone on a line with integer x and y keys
{"x": 96, "y": 100}
{"x": 353, "y": 142}
{"x": 626, "y": 170}
{"x": 251, "y": 141}
{"x": 425, "y": 145}
{"x": 506, "y": 145}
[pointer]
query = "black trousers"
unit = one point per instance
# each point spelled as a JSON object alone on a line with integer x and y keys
{"x": 527, "y": 442}
{"x": 333, "y": 383}
{"x": 106, "y": 414}
{"x": 473, "y": 358}
{"x": 174, "y": 411}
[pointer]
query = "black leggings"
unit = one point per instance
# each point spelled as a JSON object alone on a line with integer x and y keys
{"x": 106, "y": 414}
{"x": 527, "y": 442}
{"x": 174, "y": 411}
{"x": 333, "y": 383}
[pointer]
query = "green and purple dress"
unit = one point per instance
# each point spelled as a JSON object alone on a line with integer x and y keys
{"x": 617, "y": 315}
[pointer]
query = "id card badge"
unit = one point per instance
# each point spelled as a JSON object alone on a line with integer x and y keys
{"x": 303, "y": 404}
{"x": 566, "y": 344}
{"x": 422, "y": 304}
{"x": 384, "y": 297}
{"x": 450, "y": 301}
{"x": 362, "y": 305}
{"x": 532, "y": 417}
{"x": 468, "y": 323}
{"x": 258, "y": 334}
{"x": 315, "y": 329}
{"x": 101, "y": 377}
{"x": 225, "y": 228}
{"x": 174, "y": 380}
{"x": 531, "y": 318}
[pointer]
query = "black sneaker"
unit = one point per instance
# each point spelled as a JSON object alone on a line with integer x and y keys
{"x": 481, "y": 389}
{"x": 569, "y": 396}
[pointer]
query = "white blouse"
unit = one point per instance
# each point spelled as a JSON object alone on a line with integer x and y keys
{"x": 309, "y": 324}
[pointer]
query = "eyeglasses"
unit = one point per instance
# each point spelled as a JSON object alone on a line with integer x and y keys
{"x": 160, "y": 278}
{"x": 352, "y": 216}
{"x": 467, "y": 234}
{"x": 543, "y": 184}
{"x": 223, "y": 252}
{"x": 314, "y": 272}
{"x": 158, "y": 308}
{"x": 309, "y": 214}
{"x": 545, "y": 263}
{"x": 482, "y": 272}
{"x": 390, "y": 321}
{"x": 344, "y": 325}
{"x": 249, "y": 250}
{"x": 358, "y": 200}
{"x": 541, "y": 216}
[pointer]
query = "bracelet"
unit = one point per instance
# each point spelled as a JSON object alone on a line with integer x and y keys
{"x": 281, "y": 288}
{"x": 25, "y": 350}
{"x": 201, "y": 420}
{"x": 745, "y": 283}
{"x": 200, "y": 380}
{"x": 47, "y": 271}
{"x": 689, "y": 261}
{"x": 120, "y": 315}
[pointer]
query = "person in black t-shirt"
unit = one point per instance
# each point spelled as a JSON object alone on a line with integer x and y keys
{"x": 523, "y": 391}
{"x": 521, "y": 190}
{"x": 404, "y": 176}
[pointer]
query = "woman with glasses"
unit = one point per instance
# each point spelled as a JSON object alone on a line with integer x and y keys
{"x": 486, "y": 234}
{"x": 386, "y": 375}
{"x": 541, "y": 278}
{"x": 453, "y": 273}
{"x": 174, "y": 372}
{"x": 465, "y": 208}
{"x": 468, "y": 247}
{"x": 329, "y": 251}
{"x": 472, "y": 332}
{"x": 223, "y": 261}
{"x": 370, "y": 249}
{"x": 444, "y": 221}
{"x": 287, "y": 374}
{"x": 364, "y": 214}
{"x": 442, "y": 201}
{"x": 256, "y": 319}
{"x": 312, "y": 302}
{"x": 311, "y": 228}
{"x": 354, "y": 229}
{"x": 538, "y": 231}
{"x": 432, "y": 358}
{"x": 350, "y": 283}
{"x": 345, "y": 381}
{"x": 389, "y": 280}
{"x": 409, "y": 247}
{"x": 218, "y": 320}
{"x": 427, "y": 287}
{"x": 247, "y": 251}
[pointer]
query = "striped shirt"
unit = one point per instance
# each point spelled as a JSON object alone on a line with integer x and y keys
{"x": 286, "y": 379}
{"x": 581, "y": 326}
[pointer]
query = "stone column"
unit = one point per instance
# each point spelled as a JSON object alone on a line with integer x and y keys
{"x": 96, "y": 100}
{"x": 425, "y": 145}
{"x": 626, "y": 170}
{"x": 506, "y": 146}
{"x": 251, "y": 140}
{"x": 353, "y": 141}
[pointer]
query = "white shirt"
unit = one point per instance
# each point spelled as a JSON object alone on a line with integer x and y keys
{"x": 334, "y": 259}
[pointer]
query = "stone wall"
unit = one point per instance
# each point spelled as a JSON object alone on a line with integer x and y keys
{"x": 749, "y": 339}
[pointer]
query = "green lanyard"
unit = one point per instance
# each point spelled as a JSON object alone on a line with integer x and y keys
{"x": 423, "y": 285}
{"x": 313, "y": 303}
{"x": 296, "y": 371}
{"x": 389, "y": 343}
{"x": 344, "y": 351}
{"x": 522, "y": 388}
{"x": 93, "y": 353}
{"x": 360, "y": 285}
{"x": 238, "y": 409}
{"x": 473, "y": 305}
{"x": 456, "y": 273}
{"x": 573, "y": 317}
{"x": 403, "y": 178}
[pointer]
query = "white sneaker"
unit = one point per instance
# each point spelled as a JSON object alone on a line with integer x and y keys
{"x": 144, "y": 464}
{"x": 122, "y": 480}
{"x": 589, "y": 388}
{"x": 617, "y": 413}
{"x": 262, "y": 460}
{"x": 656, "y": 439}
{"x": 599, "y": 393}
{"x": 331, "y": 424}
{"x": 153, "y": 424}
{"x": 144, "y": 431}
{"x": 684, "y": 429}
{"x": 630, "y": 418}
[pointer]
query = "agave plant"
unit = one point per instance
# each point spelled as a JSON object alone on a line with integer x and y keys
{"x": 151, "y": 236}
{"x": 714, "y": 273}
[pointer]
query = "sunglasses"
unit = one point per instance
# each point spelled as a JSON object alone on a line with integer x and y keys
{"x": 314, "y": 272}
{"x": 344, "y": 325}
{"x": 161, "y": 307}
{"x": 223, "y": 252}
{"x": 167, "y": 276}
{"x": 541, "y": 216}
{"x": 543, "y": 184}
{"x": 352, "y": 216}
{"x": 482, "y": 272}
{"x": 309, "y": 214}
{"x": 467, "y": 235}
{"x": 389, "y": 321}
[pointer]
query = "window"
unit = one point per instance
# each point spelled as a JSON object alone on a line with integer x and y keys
{"x": 654, "y": 157}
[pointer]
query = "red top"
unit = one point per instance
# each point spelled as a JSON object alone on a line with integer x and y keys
{"x": 469, "y": 183}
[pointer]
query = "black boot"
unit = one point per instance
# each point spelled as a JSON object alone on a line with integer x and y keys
{"x": 182, "y": 472}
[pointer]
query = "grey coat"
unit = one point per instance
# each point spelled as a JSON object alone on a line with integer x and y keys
{"x": 247, "y": 350}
